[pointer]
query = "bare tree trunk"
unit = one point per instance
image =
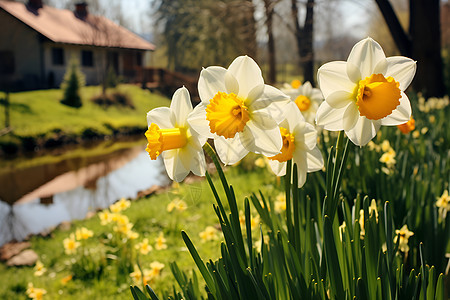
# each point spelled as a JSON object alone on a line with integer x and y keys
{"x": 250, "y": 25}
{"x": 307, "y": 52}
{"x": 304, "y": 38}
{"x": 272, "y": 78}
{"x": 422, "y": 44}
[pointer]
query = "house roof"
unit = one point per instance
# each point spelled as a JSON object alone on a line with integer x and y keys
{"x": 62, "y": 26}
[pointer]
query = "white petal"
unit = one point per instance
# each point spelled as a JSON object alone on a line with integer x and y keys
{"x": 353, "y": 72}
{"x": 351, "y": 116}
{"x": 279, "y": 168}
{"x": 300, "y": 159}
{"x": 293, "y": 116}
{"x": 181, "y": 106}
{"x": 306, "y": 88}
{"x": 402, "y": 69}
{"x": 247, "y": 73}
{"x": 399, "y": 115}
{"x": 265, "y": 141}
{"x": 272, "y": 101}
{"x": 310, "y": 136}
{"x": 330, "y": 118}
{"x": 231, "y": 84}
{"x": 197, "y": 121}
{"x": 381, "y": 67}
{"x": 197, "y": 160}
{"x": 211, "y": 81}
{"x": 333, "y": 77}
{"x": 161, "y": 117}
{"x": 230, "y": 151}
{"x": 263, "y": 120}
{"x": 255, "y": 94}
{"x": 174, "y": 166}
{"x": 363, "y": 131}
{"x": 339, "y": 99}
{"x": 315, "y": 160}
{"x": 366, "y": 54}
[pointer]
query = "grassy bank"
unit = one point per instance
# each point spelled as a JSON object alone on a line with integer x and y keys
{"x": 38, "y": 119}
{"x": 150, "y": 217}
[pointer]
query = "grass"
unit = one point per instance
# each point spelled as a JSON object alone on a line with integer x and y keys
{"x": 150, "y": 217}
{"x": 40, "y": 115}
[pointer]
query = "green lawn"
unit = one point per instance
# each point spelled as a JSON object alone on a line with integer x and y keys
{"x": 40, "y": 115}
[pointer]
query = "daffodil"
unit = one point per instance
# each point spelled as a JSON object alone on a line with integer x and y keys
{"x": 70, "y": 244}
{"x": 176, "y": 204}
{"x": 105, "y": 217}
{"x": 443, "y": 204}
{"x": 160, "y": 242}
{"x": 209, "y": 234}
{"x": 83, "y": 233}
{"x": 365, "y": 92}
{"x": 155, "y": 269}
{"x": 404, "y": 233}
{"x": 307, "y": 99}
{"x": 409, "y": 126}
{"x": 299, "y": 144}
{"x": 239, "y": 111}
{"x": 39, "y": 268}
{"x": 280, "y": 202}
{"x": 144, "y": 247}
{"x": 120, "y": 205}
{"x": 35, "y": 293}
{"x": 170, "y": 136}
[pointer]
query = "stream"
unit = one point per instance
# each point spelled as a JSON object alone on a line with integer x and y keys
{"x": 36, "y": 196}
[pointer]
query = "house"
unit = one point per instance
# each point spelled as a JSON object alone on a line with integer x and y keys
{"x": 37, "y": 43}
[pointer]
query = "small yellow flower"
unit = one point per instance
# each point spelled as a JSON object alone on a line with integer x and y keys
{"x": 404, "y": 234}
{"x": 136, "y": 275}
{"x": 144, "y": 247}
{"x": 83, "y": 233}
{"x": 443, "y": 203}
{"x": 66, "y": 279}
{"x": 389, "y": 158}
{"x": 70, "y": 244}
{"x": 424, "y": 130}
{"x": 155, "y": 269}
{"x": 160, "y": 242}
{"x": 280, "y": 203}
{"x": 295, "y": 84}
{"x": 105, "y": 217}
{"x": 254, "y": 221}
{"x": 209, "y": 234}
{"x": 416, "y": 134}
{"x": 177, "y": 204}
{"x": 432, "y": 119}
{"x": 386, "y": 146}
{"x": 39, "y": 269}
{"x": 120, "y": 205}
{"x": 260, "y": 162}
{"x": 35, "y": 293}
{"x": 372, "y": 146}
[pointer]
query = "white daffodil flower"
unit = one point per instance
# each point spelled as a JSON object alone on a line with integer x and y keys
{"x": 170, "y": 135}
{"x": 307, "y": 99}
{"x": 299, "y": 144}
{"x": 365, "y": 92}
{"x": 239, "y": 111}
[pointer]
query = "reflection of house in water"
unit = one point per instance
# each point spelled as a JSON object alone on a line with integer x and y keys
{"x": 37, "y": 42}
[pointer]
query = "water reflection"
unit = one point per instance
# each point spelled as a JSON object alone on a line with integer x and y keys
{"x": 70, "y": 195}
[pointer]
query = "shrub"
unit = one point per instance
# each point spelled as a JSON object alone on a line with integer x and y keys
{"x": 114, "y": 99}
{"x": 73, "y": 81}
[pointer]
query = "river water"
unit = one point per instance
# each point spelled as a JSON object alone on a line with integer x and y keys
{"x": 37, "y": 197}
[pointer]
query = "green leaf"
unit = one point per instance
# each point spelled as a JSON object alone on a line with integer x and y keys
{"x": 439, "y": 295}
{"x": 137, "y": 293}
{"x": 334, "y": 271}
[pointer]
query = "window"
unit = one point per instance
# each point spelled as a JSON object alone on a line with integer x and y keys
{"x": 87, "y": 58}
{"x": 139, "y": 59}
{"x": 58, "y": 56}
{"x": 7, "y": 66}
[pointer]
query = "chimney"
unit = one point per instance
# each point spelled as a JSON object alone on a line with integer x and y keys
{"x": 35, "y": 4}
{"x": 81, "y": 10}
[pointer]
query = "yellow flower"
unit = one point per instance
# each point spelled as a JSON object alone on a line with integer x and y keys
{"x": 39, "y": 269}
{"x": 389, "y": 158}
{"x": 443, "y": 203}
{"x": 209, "y": 234}
{"x": 280, "y": 203}
{"x": 408, "y": 126}
{"x": 144, "y": 247}
{"x": 307, "y": 100}
{"x": 120, "y": 205}
{"x": 155, "y": 269}
{"x": 136, "y": 275}
{"x": 365, "y": 92}
{"x": 70, "y": 244}
{"x": 35, "y": 293}
{"x": 105, "y": 217}
{"x": 295, "y": 84}
{"x": 372, "y": 146}
{"x": 260, "y": 162}
{"x": 160, "y": 242}
{"x": 177, "y": 204}
{"x": 66, "y": 279}
{"x": 416, "y": 134}
{"x": 386, "y": 146}
{"x": 83, "y": 233}
{"x": 404, "y": 235}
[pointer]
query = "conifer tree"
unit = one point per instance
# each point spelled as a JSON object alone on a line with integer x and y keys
{"x": 73, "y": 80}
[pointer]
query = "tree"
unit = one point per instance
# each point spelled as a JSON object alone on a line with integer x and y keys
{"x": 73, "y": 81}
{"x": 304, "y": 38}
{"x": 422, "y": 42}
{"x": 269, "y": 10}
